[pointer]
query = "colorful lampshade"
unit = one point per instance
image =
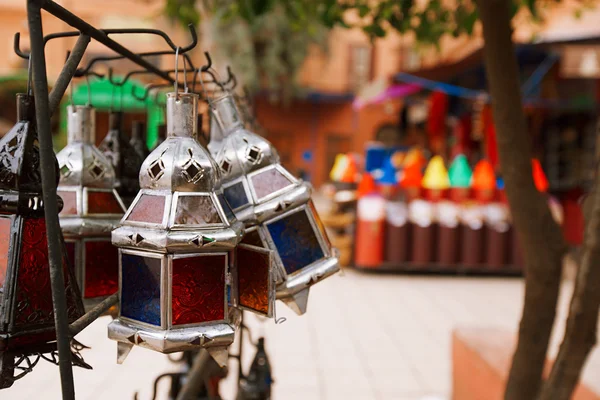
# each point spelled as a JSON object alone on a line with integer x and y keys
{"x": 483, "y": 178}
{"x": 93, "y": 208}
{"x": 264, "y": 194}
{"x": 125, "y": 161}
{"x": 539, "y": 177}
{"x": 389, "y": 174}
{"x": 460, "y": 172}
{"x": 176, "y": 244}
{"x": 436, "y": 175}
{"x": 26, "y": 311}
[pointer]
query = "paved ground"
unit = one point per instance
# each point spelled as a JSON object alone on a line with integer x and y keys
{"x": 366, "y": 336}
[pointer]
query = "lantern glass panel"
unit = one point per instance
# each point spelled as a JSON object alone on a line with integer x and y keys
{"x": 236, "y": 195}
{"x": 296, "y": 241}
{"x": 226, "y": 207}
{"x": 33, "y": 293}
{"x": 71, "y": 252}
{"x": 103, "y": 203}
{"x": 253, "y": 238}
{"x": 269, "y": 181}
{"x": 317, "y": 219}
{"x": 70, "y": 202}
{"x": 196, "y": 210}
{"x": 149, "y": 209}
{"x": 5, "y": 225}
{"x": 198, "y": 293}
{"x": 253, "y": 279}
{"x": 101, "y": 268}
{"x": 140, "y": 288}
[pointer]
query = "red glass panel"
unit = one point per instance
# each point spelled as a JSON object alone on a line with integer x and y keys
{"x": 101, "y": 269}
{"x": 70, "y": 202}
{"x": 103, "y": 203}
{"x": 198, "y": 289}
{"x": 253, "y": 278}
{"x": 33, "y": 294}
{"x": 149, "y": 208}
{"x": 5, "y": 224}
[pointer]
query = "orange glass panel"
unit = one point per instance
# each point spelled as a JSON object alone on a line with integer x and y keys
{"x": 149, "y": 208}
{"x": 103, "y": 203}
{"x": 70, "y": 202}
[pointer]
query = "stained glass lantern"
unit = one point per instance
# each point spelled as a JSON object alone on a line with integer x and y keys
{"x": 124, "y": 159}
{"x": 26, "y": 311}
{"x": 92, "y": 209}
{"x": 262, "y": 193}
{"x": 176, "y": 244}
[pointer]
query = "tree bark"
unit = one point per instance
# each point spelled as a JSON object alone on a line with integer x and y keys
{"x": 539, "y": 235}
{"x": 580, "y": 334}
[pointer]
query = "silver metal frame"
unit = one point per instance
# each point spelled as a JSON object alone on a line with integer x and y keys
{"x": 165, "y": 212}
{"x": 278, "y": 167}
{"x": 272, "y": 282}
{"x": 163, "y": 264}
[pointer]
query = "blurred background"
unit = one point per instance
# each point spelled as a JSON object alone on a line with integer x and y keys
{"x": 405, "y": 317}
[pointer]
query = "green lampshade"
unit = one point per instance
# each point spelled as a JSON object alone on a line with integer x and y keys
{"x": 460, "y": 172}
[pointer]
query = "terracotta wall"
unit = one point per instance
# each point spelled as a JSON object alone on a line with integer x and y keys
{"x": 305, "y": 126}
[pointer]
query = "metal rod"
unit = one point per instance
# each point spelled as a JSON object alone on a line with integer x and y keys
{"x": 93, "y": 314}
{"x": 47, "y": 167}
{"x": 68, "y": 71}
{"x": 195, "y": 376}
{"x": 77, "y": 23}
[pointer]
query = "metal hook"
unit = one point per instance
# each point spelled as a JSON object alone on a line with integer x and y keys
{"x": 230, "y": 78}
{"x": 278, "y": 321}
{"x": 176, "y": 71}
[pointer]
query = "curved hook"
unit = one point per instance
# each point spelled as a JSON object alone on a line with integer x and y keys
{"x": 17, "y": 47}
{"x": 230, "y": 78}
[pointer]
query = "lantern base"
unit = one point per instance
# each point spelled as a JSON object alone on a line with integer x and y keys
{"x": 173, "y": 340}
{"x": 289, "y": 291}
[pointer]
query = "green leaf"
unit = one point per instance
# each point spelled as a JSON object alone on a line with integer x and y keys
{"x": 363, "y": 10}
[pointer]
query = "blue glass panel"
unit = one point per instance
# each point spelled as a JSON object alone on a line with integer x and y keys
{"x": 226, "y": 207}
{"x": 236, "y": 195}
{"x": 140, "y": 293}
{"x": 295, "y": 241}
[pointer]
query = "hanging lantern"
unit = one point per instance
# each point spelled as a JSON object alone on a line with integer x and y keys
{"x": 92, "y": 208}
{"x": 26, "y": 308}
{"x": 261, "y": 192}
{"x": 175, "y": 244}
{"x": 124, "y": 159}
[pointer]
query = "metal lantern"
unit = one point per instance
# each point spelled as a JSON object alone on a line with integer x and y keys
{"x": 176, "y": 244}
{"x": 92, "y": 208}
{"x": 124, "y": 159}
{"x": 262, "y": 193}
{"x": 26, "y": 311}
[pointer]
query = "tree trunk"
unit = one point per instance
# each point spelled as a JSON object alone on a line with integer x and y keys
{"x": 539, "y": 235}
{"x": 580, "y": 333}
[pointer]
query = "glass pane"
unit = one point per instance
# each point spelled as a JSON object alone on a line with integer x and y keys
{"x": 103, "y": 203}
{"x": 140, "y": 288}
{"x": 5, "y": 224}
{"x": 319, "y": 223}
{"x": 226, "y": 207}
{"x": 236, "y": 195}
{"x": 101, "y": 269}
{"x": 149, "y": 208}
{"x": 70, "y": 202}
{"x": 198, "y": 293}
{"x": 253, "y": 238}
{"x": 295, "y": 241}
{"x": 269, "y": 181}
{"x": 253, "y": 279}
{"x": 196, "y": 210}
{"x": 34, "y": 294}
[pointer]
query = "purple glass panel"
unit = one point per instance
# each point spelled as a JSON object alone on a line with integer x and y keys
{"x": 149, "y": 208}
{"x": 269, "y": 181}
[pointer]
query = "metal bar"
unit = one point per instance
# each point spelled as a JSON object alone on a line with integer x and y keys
{"x": 93, "y": 314}
{"x": 47, "y": 167}
{"x": 195, "y": 376}
{"x": 77, "y": 23}
{"x": 68, "y": 71}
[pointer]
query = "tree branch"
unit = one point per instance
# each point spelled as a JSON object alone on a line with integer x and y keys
{"x": 539, "y": 235}
{"x": 580, "y": 334}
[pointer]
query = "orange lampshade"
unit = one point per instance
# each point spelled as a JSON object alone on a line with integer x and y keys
{"x": 414, "y": 157}
{"x": 539, "y": 177}
{"x": 483, "y": 176}
{"x": 366, "y": 185}
{"x": 411, "y": 177}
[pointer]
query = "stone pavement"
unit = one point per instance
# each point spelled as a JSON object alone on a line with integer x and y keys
{"x": 365, "y": 336}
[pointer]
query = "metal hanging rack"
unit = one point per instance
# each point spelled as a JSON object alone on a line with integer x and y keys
{"x": 46, "y": 104}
